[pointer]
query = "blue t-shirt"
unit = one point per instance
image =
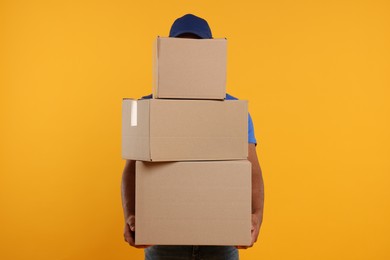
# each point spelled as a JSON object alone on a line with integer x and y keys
{"x": 251, "y": 130}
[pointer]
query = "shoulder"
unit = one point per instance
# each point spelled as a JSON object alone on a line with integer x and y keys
{"x": 147, "y": 97}
{"x": 230, "y": 97}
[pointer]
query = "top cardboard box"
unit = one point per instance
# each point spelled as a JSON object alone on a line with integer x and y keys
{"x": 189, "y": 68}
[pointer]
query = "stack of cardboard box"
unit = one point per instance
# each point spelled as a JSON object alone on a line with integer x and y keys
{"x": 193, "y": 180}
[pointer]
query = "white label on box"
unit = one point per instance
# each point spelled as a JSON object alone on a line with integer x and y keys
{"x": 134, "y": 113}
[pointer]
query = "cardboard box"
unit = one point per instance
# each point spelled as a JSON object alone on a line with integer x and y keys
{"x": 189, "y": 68}
{"x": 193, "y": 203}
{"x": 184, "y": 130}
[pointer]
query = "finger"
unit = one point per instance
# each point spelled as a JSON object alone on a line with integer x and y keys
{"x": 129, "y": 236}
{"x": 131, "y": 222}
{"x": 132, "y": 227}
{"x": 255, "y": 234}
{"x": 142, "y": 246}
{"x": 126, "y": 233}
{"x": 256, "y": 237}
{"x": 255, "y": 229}
{"x": 131, "y": 241}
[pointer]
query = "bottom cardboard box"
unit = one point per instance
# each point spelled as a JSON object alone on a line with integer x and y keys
{"x": 193, "y": 203}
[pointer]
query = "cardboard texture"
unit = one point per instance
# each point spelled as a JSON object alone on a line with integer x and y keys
{"x": 184, "y": 130}
{"x": 193, "y": 203}
{"x": 189, "y": 68}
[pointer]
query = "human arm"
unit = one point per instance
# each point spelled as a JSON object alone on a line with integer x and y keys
{"x": 128, "y": 202}
{"x": 257, "y": 194}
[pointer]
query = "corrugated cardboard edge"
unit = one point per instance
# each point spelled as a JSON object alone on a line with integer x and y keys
{"x": 141, "y": 143}
{"x": 150, "y": 127}
{"x": 156, "y": 47}
{"x": 125, "y": 155}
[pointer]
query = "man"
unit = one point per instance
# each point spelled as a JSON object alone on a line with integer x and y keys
{"x": 190, "y": 26}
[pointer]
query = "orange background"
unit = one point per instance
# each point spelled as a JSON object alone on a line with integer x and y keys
{"x": 316, "y": 74}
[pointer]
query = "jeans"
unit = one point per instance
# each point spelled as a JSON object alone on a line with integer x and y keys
{"x": 191, "y": 253}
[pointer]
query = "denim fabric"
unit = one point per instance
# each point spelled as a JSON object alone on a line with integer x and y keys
{"x": 191, "y": 253}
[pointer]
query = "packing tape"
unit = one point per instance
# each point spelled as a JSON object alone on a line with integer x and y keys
{"x": 134, "y": 113}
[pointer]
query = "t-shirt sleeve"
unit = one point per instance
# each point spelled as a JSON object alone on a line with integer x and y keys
{"x": 251, "y": 131}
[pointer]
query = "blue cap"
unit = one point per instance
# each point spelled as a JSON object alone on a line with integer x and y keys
{"x": 190, "y": 23}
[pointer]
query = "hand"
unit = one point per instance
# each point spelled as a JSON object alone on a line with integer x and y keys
{"x": 256, "y": 223}
{"x": 129, "y": 232}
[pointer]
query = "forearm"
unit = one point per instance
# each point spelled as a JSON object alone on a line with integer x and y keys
{"x": 257, "y": 183}
{"x": 257, "y": 193}
{"x": 128, "y": 189}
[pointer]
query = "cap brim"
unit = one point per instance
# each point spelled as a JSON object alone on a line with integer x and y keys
{"x": 197, "y": 33}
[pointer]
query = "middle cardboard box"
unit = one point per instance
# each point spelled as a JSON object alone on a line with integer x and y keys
{"x": 184, "y": 130}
